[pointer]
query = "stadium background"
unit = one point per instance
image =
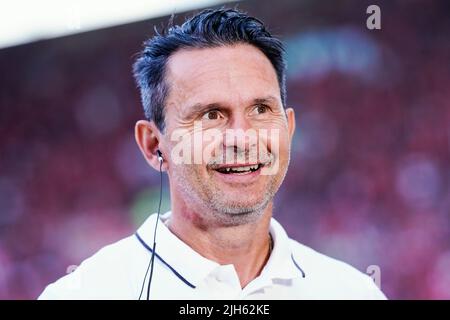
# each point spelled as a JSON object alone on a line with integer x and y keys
{"x": 369, "y": 176}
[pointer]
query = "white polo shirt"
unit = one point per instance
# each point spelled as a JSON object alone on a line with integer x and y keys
{"x": 293, "y": 271}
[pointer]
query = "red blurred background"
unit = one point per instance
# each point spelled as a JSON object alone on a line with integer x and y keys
{"x": 369, "y": 175}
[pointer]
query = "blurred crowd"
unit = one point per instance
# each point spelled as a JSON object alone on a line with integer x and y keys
{"x": 369, "y": 176}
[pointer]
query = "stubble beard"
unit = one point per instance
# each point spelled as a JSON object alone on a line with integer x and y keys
{"x": 220, "y": 210}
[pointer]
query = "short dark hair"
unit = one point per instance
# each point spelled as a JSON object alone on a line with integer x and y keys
{"x": 209, "y": 28}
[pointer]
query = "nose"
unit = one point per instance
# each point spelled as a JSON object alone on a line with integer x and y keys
{"x": 240, "y": 137}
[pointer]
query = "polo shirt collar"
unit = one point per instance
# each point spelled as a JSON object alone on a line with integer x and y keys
{"x": 281, "y": 264}
{"x": 192, "y": 268}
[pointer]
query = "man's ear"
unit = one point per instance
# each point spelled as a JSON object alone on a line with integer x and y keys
{"x": 290, "y": 114}
{"x": 147, "y": 138}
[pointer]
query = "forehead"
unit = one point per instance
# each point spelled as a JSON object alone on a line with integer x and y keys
{"x": 227, "y": 74}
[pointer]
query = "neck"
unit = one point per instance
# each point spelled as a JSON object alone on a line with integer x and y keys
{"x": 246, "y": 246}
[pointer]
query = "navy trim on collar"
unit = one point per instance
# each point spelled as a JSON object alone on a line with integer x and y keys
{"x": 146, "y": 246}
{"x": 298, "y": 267}
{"x": 164, "y": 262}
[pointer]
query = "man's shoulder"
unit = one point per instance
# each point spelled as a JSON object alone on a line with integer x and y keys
{"x": 338, "y": 278}
{"x": 96, "y": 275}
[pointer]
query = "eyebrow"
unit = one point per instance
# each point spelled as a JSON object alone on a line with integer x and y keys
{"x": 268, "y": 99}
{"x": 199, "y": 108}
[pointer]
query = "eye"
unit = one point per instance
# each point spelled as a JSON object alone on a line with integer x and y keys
{"x": 260, "y": 108}
{"x": 212, "y": 115}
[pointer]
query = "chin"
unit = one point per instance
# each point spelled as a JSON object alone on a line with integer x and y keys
{"x": 241, "y": 208}
{"x": 232, "y": 216}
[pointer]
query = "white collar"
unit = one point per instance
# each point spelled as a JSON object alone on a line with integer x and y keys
{"x": 192, "y": 268}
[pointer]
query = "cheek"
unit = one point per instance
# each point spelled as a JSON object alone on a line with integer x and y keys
{"x": 212, "y": 145}
{"x": 285, "y": 144}
{"x": 196, "y": 175}
{"x": 189, "y": 176}
{"x": 283, "y": 152}
{"x": 274, "y": 135}
{"x": 277, "y": 142}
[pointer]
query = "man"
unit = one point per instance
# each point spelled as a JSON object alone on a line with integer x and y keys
{"x": 205, "y": 85}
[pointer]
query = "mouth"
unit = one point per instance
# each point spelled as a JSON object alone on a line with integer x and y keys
{"x": 239, "y": 169}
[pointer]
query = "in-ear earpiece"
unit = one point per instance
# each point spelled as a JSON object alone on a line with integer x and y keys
{"x": 160, "y": 156}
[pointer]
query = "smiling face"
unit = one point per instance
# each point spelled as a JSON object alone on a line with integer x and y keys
{"x": 227, "y": 90}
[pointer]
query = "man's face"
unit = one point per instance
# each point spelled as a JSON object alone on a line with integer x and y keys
{"x": 227, "y": 90}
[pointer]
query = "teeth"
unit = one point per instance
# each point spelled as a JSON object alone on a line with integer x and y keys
{"x": 241, "y": 169}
